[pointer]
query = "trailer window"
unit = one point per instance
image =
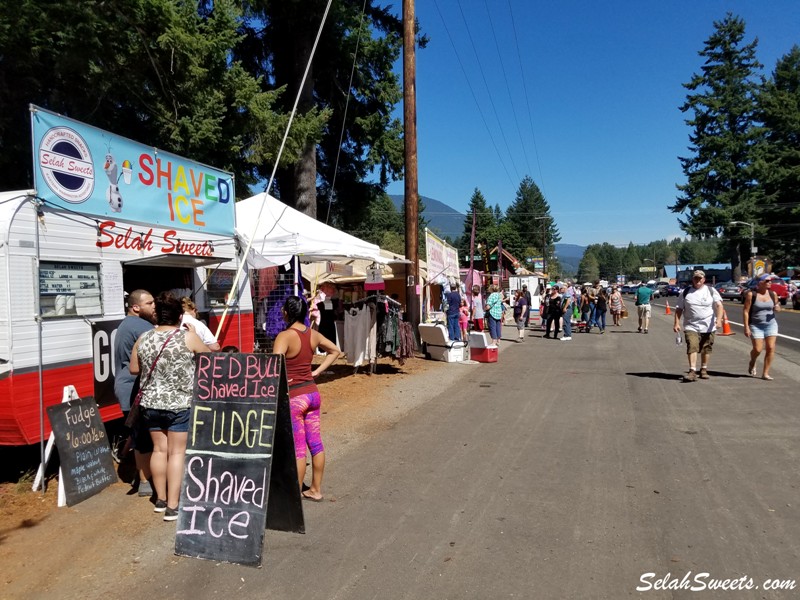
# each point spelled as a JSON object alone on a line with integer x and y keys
{"x": 69, "y": 289}
{"x": 219, "y": 286}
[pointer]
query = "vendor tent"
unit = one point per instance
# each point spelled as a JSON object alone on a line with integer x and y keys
{"x": 283, "y": 232}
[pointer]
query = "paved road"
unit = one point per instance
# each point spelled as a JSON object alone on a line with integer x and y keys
{"x": 567, "y": 470}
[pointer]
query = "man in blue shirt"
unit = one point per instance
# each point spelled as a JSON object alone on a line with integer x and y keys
{"x": 643, "y": 295}
{"x": 453, "y": 299}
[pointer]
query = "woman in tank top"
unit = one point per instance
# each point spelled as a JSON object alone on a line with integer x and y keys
{"x": 760, "y": 324}
{"x": 299, "y": 343}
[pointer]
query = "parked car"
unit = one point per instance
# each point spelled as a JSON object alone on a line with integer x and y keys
{"x": 778, "y": 286}
{"x": 628, "y": 288}
{"x": 672, "y": 290}
{"x": 656, "y": 289}
{"x": 729, "y": 290}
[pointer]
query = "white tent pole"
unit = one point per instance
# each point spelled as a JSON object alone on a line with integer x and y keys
{"x": 234, "y": 287}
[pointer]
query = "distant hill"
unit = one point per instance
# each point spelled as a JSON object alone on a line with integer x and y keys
{"x": 448, "y": 222}
{"x": 569, "y": 255}
{"x": 443, "y": 220}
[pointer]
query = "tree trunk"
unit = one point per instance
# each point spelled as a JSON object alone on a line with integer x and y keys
{"x": 298, "y": 186}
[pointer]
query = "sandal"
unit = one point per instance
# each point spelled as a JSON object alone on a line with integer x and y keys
{"x": 766, "y": 377}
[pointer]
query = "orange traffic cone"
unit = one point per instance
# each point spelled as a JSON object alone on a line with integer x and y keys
{"x": 726, "y": 326}
{"x": 669, "y": 312}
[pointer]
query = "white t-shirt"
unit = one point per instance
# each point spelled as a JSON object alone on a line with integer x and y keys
{"x": 200, "y": 328}
{"x": 698, "y": 308}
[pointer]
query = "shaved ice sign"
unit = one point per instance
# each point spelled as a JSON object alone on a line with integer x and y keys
{"x": 97, "y": 173}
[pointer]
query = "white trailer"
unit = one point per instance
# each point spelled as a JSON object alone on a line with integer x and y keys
{"x": 63, "y": 276}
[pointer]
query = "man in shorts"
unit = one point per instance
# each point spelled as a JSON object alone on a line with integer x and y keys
{"x": 643, "y": 296}
{"x": 700, "y": 305}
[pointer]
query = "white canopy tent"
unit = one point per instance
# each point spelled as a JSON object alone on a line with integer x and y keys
{"x": 283, "y": 232}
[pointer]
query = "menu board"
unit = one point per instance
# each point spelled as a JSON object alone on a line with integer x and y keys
{"x": 83, "y": 448}
{"x": 240, "y": 402}
{"x": 67, "y": 289}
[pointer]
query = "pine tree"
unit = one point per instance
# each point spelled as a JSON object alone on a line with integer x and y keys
{"x": 720, "y": 184}
{"x": 484, "y": 222}
{"x": 530, "y": 215}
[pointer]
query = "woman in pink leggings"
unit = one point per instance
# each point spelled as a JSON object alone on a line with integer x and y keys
{"x": 299, "y": 343}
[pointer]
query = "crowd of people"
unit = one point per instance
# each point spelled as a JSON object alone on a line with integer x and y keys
{"x": 564, "y": 306}
{"x": 155, "y": 350}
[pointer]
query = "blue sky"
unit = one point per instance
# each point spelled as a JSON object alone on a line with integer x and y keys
{"x": 604, "y": 83}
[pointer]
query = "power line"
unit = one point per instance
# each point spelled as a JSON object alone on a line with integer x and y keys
{"x": 488, "y": 91}
{"x": 472, "y": 91}
{"x": 527, "y": 100}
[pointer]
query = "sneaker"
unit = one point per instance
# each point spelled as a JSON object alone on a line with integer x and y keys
{"x": 639, "y": 330}
{"x": 566, "y": 338}
{"x": 704, "y": 374}
{"x": 161, "y": 506}
{"x": 171, "y": 514}
{"x": 145, "y": 489}
{"x": 645, "y": 330}
{"x": 690, "y": 376}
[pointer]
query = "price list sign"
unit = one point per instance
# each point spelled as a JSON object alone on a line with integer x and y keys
{"x": 238, "y": 399}
{"x": 83, "y": 448}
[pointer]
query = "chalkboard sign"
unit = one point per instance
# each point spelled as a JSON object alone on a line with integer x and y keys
{"x": 83, "y": 448}
{"x": 240, "y": 400}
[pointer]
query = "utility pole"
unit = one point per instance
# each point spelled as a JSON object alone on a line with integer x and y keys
{"x": 410, "y": 176}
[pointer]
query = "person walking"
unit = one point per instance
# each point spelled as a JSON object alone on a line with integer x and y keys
{"x": 600, "y": 310}
{"x": 700, "y": 306}
{"x": 643, "y": 296}
{"x": 139, "y": 319}
{"x": 528, "y": 302}
{"x": 165, "y": 357}
{"x": 615, "y": 302}
{"x": 566, "y": 314}
{"x": 760, "y": 324}
{"x": 298, "y": 343}
{"x": 520, "y": 314}
{"x": 552, "y": 311}
{"x": 495, "y": 309}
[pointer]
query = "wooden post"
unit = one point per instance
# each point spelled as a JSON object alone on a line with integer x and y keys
{"x": 410, "y": 178}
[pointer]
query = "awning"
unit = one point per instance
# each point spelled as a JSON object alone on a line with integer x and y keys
{"x": 282, "y": 232}
{"x": 176, "y": 260}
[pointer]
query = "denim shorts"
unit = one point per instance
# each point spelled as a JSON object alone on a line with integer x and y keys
{"x": 171, "y": 420}
{"x": 759, "y": 331}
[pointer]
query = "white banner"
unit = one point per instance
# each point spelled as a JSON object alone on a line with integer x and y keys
{"x": 442, "y": 259}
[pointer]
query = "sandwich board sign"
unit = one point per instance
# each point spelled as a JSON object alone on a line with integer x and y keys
{"x": 240, "y": 473}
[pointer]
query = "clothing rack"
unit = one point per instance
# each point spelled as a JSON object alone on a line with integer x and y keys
{"x": 376, "y": 298}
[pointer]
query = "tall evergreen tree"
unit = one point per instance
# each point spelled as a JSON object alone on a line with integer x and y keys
{"x": 777, "y": 166}
{"x": 720, "y": 185}
{"x": 530, "y": 215}
{"x": 484, "y": 222}
{"x": 160, "y": 72}
{"x": 280, "y": 37}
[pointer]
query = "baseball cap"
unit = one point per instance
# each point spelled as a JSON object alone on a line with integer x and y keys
{"x": 698, "y": 273}
{"x": 767, "y": 277}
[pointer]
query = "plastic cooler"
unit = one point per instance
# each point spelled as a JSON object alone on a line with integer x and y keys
{"x": 480, "y": 347}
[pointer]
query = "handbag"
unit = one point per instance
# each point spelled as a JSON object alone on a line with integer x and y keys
{"x": 624, "y": 313}
{"x": 135, "y": 413}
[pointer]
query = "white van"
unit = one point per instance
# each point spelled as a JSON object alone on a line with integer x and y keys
{"x": 63, "y": 277}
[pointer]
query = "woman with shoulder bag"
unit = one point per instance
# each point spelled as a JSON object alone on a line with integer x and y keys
{"x": 165, "y": 358}
{"x": 760, "y": 324}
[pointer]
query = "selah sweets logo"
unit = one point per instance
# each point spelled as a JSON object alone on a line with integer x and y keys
{"x": 66, "y": 164}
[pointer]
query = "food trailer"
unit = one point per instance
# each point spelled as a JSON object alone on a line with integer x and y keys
{"x": 107, "y": 216}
